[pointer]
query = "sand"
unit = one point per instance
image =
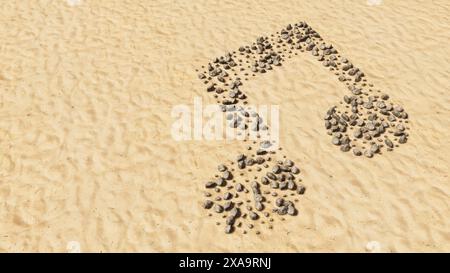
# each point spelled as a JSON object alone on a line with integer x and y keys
{"x": 88, "y": 163}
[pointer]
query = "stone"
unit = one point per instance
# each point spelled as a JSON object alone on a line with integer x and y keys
{"x": 227, "y": 175}
{"x": 259, "y": 206}
{"x": 389, "y": 143}
{"x": 368, "y": 153}
{"x": 271, "y": 176}
{"x": 295, "y": 170}
{"x": 345, "y": 148}
{"x": 227, "y": 196}
{"x": 336, "y": 141}
{"x": 228, "y": 205}
{"x": 301, "y": 189}
{"x": 208, "y": 204}
{"x": 402, "y": 139}
{"x": 221, "y": 182}
{"x": 279, "y": 202}
{"x": 276, "y": 169}
{"x": 374, "y": 148}
{"x": 253, "y": 215}
{"x": 229, "y": 229}
{"x": 357, "y": 152}
{"x": 218, "y": 208}
{"x": 291, "y": 210}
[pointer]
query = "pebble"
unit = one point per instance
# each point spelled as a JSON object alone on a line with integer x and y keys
{"x": 218, "y": 208}
{"x": 208, "y": 204}
{"x": 357, "y": 133}
{"x": 240, "y": 157}
{"x": 260, "y": 160}
{"x": 402, "y": 139}
{"x": 264, "y": 180}
{"x": 227, "y": 196}
{"x": 291, "y": 210}
{"x": 301, "y": 189}
{"x": 276, "y": 169}
{"x": 389, "y": 143}
{"x": 221, "y": 182}
{"x": 345, "y": 148}
{"x": 368, "y": 153}
{"x": 288, "y": 163}
{"x": 357, "y": 152}
{"x": 279, "y": 202}
{"x": 229, "y": 229}
{"x": 227, "y": 175}
{"x": 265, "y": 144}
{"x": 259, "y": 206}
{"x": 335, "y": 140}
{"x": 221, "y": 168}
{"x": 291, "y": 185}
{"x": 295, "y": 170}
{"x": 282, "y": 210}
{"x": 258, "y": 197}
{"x": 241, "y": 164}
{"x": 253, "y": 215}
{"x": 374, "y": 148}
{"x": 235, "y": 212}
{"x": 271, "y": 176}
{"x": 228, "y": 205}
{"x": 274, "y": 185}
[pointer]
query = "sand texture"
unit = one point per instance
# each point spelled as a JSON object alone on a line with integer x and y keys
{"x": 88, "y": 162}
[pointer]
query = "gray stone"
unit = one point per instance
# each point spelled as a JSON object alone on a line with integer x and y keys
{"x": 208, "y": 204}
{"x": 271, "y": 176}
{"x": 229, "y": 229}
{"x": 336, "y": 141}
{"x": 228, "y": 205}
{"x": 253, "y": 215}
{"x": 368, "y": 153}
{"x": 259, "y": 206}
{"x": 357, "y": 152}
{"x": 218, "y": 208}
{"x": 301, "y": 189}
{"x": 374, "y": 148}
{"x": 291, "y": 210}
{"x": 279, "y": 202}
{"x": 389, "y": 143}
{"x": 227, "y": 196}
{"x": 345, "y": 148}
{"x": 295, "y": 170}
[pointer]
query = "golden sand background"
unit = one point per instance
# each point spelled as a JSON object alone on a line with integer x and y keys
{"x": 86, "y": 153}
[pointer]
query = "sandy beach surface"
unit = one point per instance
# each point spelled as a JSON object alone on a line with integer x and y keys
{"x": 88, "y": 163}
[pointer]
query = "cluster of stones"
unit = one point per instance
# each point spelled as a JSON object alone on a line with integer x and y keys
{"x": 252, "y": 204}
{"x": 364, "y": 121}
{"x": 244, "y": 118}
{"x": 371, "y": 125}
